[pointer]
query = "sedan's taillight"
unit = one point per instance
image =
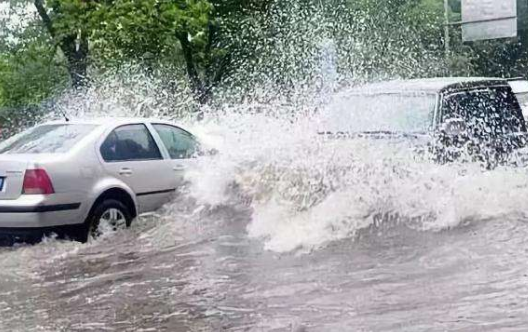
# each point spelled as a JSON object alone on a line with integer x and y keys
{"x": 37, "y": 182}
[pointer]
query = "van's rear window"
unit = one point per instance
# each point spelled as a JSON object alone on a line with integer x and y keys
{"x": 53, "y": 138}
{"x": 493, "y": 110}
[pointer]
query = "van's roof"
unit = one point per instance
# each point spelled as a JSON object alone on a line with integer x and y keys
{"x": 519, "y": 86}
{"x": 427, "y": 85}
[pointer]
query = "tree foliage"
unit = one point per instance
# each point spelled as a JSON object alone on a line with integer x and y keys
{"x": 28, "y": 76}
{"x": 239, "y": 43}
{"x": 175, "y": 32}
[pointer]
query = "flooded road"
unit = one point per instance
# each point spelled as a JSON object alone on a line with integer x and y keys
{"x": 282, "y": 230}
{"x": 291, "y": 233}
{"x": 199, "y": 271}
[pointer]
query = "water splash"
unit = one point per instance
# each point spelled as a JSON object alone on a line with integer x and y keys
{"x": 129, "y": 91}
{"x": 305, "y": 190}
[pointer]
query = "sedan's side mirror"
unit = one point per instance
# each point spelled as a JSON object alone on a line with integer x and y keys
{"x": 454, "y": 126}
{"x": 206, "y": 152}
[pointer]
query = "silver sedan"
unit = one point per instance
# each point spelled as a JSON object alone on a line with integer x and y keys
{"x": 70, "y": 177}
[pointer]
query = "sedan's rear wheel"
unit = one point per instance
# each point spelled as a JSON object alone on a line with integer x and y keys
{"x": 111, "y": 219}
{"x": 108, "y": 215}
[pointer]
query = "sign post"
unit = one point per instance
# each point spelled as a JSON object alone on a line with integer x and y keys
{"x": 447, "y": 38}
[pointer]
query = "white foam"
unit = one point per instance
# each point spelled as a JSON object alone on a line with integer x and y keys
{"x": 307, "y": 191}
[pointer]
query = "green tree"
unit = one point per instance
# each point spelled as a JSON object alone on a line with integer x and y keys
{"x": 31, "y": 69}
{"x": 66, "y": 24}
{"x": 179, "y": 32}
{"x": 28, "y": 75}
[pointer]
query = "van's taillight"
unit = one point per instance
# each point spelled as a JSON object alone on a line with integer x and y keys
{"x": 37, "y": 182}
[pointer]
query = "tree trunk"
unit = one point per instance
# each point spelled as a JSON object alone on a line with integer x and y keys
{"x": 202, "y": 87}
{"x": 76, "y": 51}
{"x": 197, "y": 85}
{"x": 74, "y": 47}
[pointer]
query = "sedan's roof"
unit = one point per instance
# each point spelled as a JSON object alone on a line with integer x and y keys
{"x": 109, "y": 121}
{"x": 427, "y": 85}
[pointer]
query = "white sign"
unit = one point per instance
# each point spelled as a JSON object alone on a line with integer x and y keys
{"x": 488, "y": 19}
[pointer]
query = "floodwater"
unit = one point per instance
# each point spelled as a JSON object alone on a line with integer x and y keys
{"x": 283, "y": 231}
{"x": 203, "y": 273}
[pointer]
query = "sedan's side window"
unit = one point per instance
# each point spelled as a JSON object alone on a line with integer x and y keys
{"x": 179, "y": 143}
{"x": 130, "y": 143}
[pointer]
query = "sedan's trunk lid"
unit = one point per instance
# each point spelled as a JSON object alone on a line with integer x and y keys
{"x": 12, "y": 170}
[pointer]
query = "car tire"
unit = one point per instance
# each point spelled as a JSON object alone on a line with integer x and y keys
{"x": 109, "y": 210}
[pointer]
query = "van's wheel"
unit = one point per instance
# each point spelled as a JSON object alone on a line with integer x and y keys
{"x": 110, "y": 214}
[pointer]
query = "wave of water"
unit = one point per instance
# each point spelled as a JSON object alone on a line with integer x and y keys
{"x": 306, "y": 191}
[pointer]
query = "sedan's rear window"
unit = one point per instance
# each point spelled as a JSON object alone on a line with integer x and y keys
{"x": 53, "y": 138}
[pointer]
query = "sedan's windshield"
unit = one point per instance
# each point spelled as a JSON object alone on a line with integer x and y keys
{"x": 386, "y": 112}
{"x": 53, "y": 138}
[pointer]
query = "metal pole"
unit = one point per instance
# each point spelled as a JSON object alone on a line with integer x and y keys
{"x": 447, "y": 38}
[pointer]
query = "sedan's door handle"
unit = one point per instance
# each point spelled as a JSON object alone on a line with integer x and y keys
{"x": 125, "y": 171}
{"x": 178, "y": 168}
